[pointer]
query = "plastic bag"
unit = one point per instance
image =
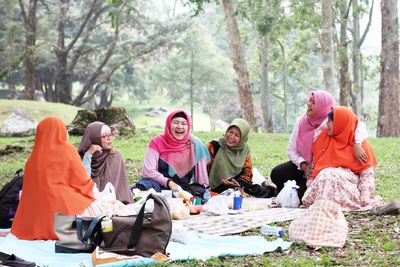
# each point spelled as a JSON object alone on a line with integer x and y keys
{"x": 228, "y": 194}
{"x": 108, "y": 193}
{"x": 217, "y": 205}
{"x": 286, "y": 198}
{"x": 183, "y": 194}
{"x": 178, "y": 209}
{"x": 257, "y": 177}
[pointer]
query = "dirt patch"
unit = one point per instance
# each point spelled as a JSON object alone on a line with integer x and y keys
{"x": 10, "y": 149}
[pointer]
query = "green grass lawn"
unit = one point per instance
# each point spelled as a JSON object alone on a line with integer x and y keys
{"x": 37, "y": 110}
{"x": 372, "y": 240}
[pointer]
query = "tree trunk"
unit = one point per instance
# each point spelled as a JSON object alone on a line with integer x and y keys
{"x": 326, "y": 39}
{"x": 389, "y": 113}
{"x": 92, "y": 101}
{"x": 105, "y": 98}
{"x": 345, "y": 85}
{"x": 266, "y": 95}
{"x": 284, "y": 87}
{"x": 30, "y": 40}
{"x": 357, "y": 86}
{"x": 239, "y": 64}
{"x": 63, "y": 83}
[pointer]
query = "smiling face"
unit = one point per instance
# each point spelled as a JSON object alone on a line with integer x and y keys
{"x": 178, "y": 128}
{"x": 232, "y": 136}
{"x": 311, "y": 106}
{"x": 106, "y": 140}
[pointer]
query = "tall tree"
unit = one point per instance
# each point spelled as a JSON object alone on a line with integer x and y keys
{"x": 264, "y": 17}
{"x": 326, "y": 39}
{"x": 29, "y": 16}
{"x": 344, "y": 77}
{"x": 65, "y": 69}
{"x": 389, "y": 91}
{"x": 357, "y": 90}
{"x": 266, "y": 94}
{"x": 239, "y": 64}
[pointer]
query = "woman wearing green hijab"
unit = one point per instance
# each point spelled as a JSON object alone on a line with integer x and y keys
{"x": 230, "y": 165}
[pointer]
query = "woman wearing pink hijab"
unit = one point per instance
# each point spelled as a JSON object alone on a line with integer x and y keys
{"x": 305, "y": 132}
{"x": 175, "y": 158}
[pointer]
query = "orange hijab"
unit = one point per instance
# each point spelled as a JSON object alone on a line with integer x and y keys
{"x": 338, "y": 150}
{"x": 54, "y": 181}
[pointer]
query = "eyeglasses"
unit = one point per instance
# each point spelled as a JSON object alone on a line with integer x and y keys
{"x": 106, "y": 136}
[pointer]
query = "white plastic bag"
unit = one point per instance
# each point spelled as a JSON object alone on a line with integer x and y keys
{"x": 286, "y": 197}
{"x": 257, "y": 177}
{"x": 178, "y": 209}
{"x": 217, "y": 205}
{"x": 183, "y": 194}
{"x": 108, "y": 194}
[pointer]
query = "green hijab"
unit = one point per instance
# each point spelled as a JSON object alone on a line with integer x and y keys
{"x": 229, "y": 161}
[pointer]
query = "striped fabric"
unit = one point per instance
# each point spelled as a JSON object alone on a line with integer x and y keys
{"x": 99, "y": 207}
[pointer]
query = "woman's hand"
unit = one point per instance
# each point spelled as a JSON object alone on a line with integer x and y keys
{"x": 173, "y": 186}
{"x": 307, "y": 169}
{"x": 93, "y": 148}
{"x": 360, "y": 154}
{"x": 365, "y": 198}
{"x": 231, "y": 182}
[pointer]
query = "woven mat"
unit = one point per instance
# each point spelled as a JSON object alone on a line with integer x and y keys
{"x": 238, "y": 223}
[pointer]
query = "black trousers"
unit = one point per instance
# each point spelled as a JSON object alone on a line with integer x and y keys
{"x": 288, "y": 171}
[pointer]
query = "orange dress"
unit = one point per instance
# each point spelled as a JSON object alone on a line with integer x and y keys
{"x": 337, "y": 175}
{"x": 337, "y": 150}
{"x": 54, "y": 181}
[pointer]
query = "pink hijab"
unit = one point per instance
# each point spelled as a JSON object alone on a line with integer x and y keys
{"x": 179, "y": 154}
{"x": 324, "y": 102}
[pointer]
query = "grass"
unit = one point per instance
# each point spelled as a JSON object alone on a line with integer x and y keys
{"x": 372, "y": 240}
{"x": 37, "y": 110}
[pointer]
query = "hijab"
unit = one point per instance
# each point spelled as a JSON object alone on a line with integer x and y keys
{"x": 324, "y": 101}
{"x": 337, "y": 150}
{"x": 54, "y": 181}
{"x": 180, "y": 155}
{"x": 229, "y": 161}
{"x": 107, "y": 166}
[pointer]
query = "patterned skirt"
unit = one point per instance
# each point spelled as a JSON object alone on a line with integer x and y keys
{"x": 341, "y": 186}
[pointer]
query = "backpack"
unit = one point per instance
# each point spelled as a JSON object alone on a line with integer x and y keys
{"x": 9, "y": 199}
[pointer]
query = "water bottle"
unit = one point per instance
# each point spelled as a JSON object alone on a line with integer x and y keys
{"x": 272, "y": 230}
{"x": 106, "y": 225}
{"x": 294, "y": 200}
{"x": 206, "y": 195}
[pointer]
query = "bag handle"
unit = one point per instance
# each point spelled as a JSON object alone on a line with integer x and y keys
{"x": 137, "y": 227}
{"x": 89, "y": 231}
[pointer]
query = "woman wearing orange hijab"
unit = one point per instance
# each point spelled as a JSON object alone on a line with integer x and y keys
{"x": 55, "y": 181}
{"x": 337, "y": 175}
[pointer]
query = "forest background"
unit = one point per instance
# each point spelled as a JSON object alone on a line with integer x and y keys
{"x": 255, "y": 59}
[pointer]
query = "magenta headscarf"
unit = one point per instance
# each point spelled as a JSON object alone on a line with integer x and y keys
{"x": 179, "y": 154}
{"x": 324, "y": 102}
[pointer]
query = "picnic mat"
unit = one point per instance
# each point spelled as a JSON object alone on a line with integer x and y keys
{"x": 198, "y": 246}
{"x": 237, "y": 223}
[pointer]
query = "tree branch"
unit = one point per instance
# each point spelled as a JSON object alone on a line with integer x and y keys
{"x": 23, "y": 12}
{"x": 346, "y": 16}
{"x": 368, "y": 25}
{"x": 81, "y": 28}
